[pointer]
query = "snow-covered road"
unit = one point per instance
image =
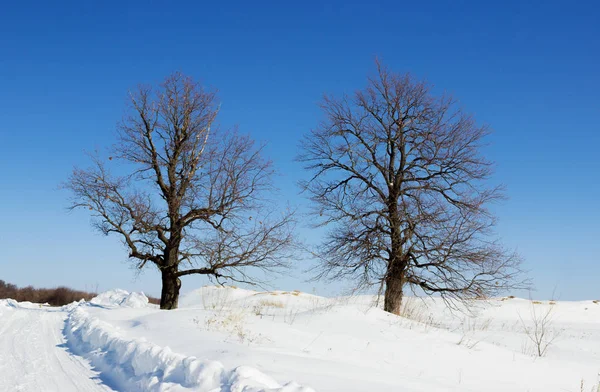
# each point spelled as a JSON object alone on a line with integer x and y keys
{"x": 33, "y": 356}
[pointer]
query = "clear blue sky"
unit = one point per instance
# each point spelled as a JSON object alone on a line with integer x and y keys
{"x": 529, "y": 69}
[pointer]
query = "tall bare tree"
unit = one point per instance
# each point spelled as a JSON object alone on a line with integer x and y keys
{"x": 192, "y": 199}
{"x": 398, "y": 178}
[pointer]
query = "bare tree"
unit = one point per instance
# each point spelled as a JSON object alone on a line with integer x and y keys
{"x": 541, "y": 331}
{"x": 398, "y": 178}
{"x": 191, "y": 200}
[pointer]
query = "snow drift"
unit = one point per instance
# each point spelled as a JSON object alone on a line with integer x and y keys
{"x": 8, "y": 303}
{"x": 138, "y": 365}
{"x": 120, "y": 298}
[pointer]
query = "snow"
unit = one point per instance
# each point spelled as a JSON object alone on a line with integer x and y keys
{"x": 8, "y": 303}
{"x": 345, "y": 343}
{"x": 118, "y": 297}
{"x": 138, "y": 365}
{"x": 33, "y": 356}
{"x": 135, "y": 300}
{"x": 235, "y": 340}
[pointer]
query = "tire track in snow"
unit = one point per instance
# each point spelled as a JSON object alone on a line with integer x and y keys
{"x": 33, "y": 357}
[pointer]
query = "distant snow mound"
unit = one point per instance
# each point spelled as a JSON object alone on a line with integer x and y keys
{"x": 110, "y": 298}
{"x": 135, "y": 300}
{"x": 72, "y": 305}
{"x": 119, "y": 297}
{"x": 9, "y": 303}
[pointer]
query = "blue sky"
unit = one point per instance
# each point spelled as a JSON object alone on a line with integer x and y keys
{"x": 529, "y": 69}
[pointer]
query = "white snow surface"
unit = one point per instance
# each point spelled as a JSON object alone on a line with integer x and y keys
{"x": 225, "y": 339}
{"x": 138, "y": 365}
{"x": 33, "y": 355}
{"x": 119, "y": 297}
{"x": 67, "y": 349}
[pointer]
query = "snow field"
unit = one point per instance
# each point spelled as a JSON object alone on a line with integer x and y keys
{"x": 138, "y": 365}
{"x": 347, "y": 344}
{"x": 226, "y": 339}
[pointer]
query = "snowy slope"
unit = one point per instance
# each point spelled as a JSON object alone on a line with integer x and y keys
{"x": 234, "y": 340}
{"x": 346, "y": 344}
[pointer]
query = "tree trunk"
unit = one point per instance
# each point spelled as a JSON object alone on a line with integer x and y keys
{"x": 394, "y": 277}
{"x": 394, "y": 283}
{"x": 169, "y": 297}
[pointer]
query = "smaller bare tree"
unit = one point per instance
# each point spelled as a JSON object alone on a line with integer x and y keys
{"x": 192, "y": 199}
{"x": 540, "y": 330}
